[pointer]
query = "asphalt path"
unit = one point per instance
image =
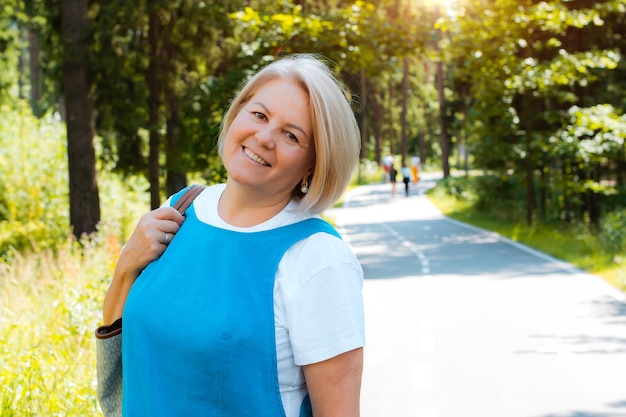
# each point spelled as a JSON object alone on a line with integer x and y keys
{"x": 463, "y": 323}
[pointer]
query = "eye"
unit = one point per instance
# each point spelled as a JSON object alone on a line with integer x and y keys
{"x": 292, "y": 137}
{"x": 259, "y": 115}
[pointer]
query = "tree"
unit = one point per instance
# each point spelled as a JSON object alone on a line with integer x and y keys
{"x": 526, "y": 65}
{"x": 9, "y": 50}
{"x": 160, "y": 68}
{"x": 84, "y": 199}
{"x": 363, "y": 40}
{"x": 154, "y": 103}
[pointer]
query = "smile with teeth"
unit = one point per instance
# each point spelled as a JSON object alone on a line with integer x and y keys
{"x": 256, "y": 158}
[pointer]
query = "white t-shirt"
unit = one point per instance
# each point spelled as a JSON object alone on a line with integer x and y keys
{"x": 318, "y": 308}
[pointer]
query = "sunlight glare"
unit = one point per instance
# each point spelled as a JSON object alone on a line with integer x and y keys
{"x": 446, "y": 6}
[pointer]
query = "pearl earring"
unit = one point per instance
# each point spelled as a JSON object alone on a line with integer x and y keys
{"x": 304, "y": 187}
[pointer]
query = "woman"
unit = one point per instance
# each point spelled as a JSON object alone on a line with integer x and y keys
{"x": 255, "y": 309}
{"x": 406, "y": 178}
{"x": 393, "y": 174}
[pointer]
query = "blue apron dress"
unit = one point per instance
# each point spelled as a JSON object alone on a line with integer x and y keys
{"x": 199, "y": 332}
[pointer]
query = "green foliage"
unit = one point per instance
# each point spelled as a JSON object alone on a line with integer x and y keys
{"x": 33, "y": 181}
{"x": 194, "y": 67}
{"x": 499, "y": 195}
{"x": 613, "y": 231}
{"x": 539, "y": 85}
{"x": 119, "y": 61}
{"x": 51, "y": 303}
{"x": 516, "y": 48}
{"x": 592, "y": 135}
{"x": 34, "y": 185}
{"x": 532, "y": 88}
{"x": 565, "y": 69}
{"x": 360, "y": 35}
{"x": 455, "y": 187}
{"x": 123, "y": 199}
{"x": 9, "y": 50}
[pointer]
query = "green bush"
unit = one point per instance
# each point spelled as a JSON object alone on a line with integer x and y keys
{"x": 33, "y": 181}
{"x": 459, "y": 188}
{"x": 613, "y": 231}
{"x": 500, "y": 196}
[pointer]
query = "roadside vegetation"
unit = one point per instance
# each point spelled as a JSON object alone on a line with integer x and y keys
{"x": 52, "y": 285}
{"x": 596, "y": 248}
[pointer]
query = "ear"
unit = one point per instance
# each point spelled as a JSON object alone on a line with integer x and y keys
{"x": 308, "y": 174}
{"x": 311, "y": 169}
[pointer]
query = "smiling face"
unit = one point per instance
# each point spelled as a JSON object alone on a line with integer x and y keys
{"x": 269, "y": 146}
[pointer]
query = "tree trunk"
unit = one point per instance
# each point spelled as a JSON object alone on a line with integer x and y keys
{"x": 377, "y": 121}
{"x": 530, "y": 189}
{"x": 21, "y": 66}
{"x": 176, "y": 178}
{"x": 154, "y": 100}
{"x": 84, "y": 199}
{"x": 364, "y": 117}
{"x": 422, "y": 142}
{"x": 35, "y": 72}
{"x": 594, "y": 199}
{"x": 527, "y": 115}
{"x": 543, "y": 193}
{"x": 403, "y": 118}
{"x": 392, "y": 130}
{"x": 443, "y": 135}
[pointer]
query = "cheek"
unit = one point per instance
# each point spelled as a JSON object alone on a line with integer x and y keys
{"x": 230, "y": 139}
{"x": 235, "y": 127}
{"x": 302, "y": 163}
{"x": 229, "y": 150}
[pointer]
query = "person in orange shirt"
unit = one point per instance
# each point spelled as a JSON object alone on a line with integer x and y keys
{"x": 415, "y": 162}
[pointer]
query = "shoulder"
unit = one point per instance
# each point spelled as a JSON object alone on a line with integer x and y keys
{"x": 325, "y": 245}
{"x": 318, "y": 286}
{"x": 208, "y": 194}
{"x": 321, "y": 257}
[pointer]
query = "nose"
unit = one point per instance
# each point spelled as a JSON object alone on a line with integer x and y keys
{"x": 265, "y": 137}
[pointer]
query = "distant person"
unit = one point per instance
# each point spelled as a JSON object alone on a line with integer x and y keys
{"x": 415, "y": 168}
{"x": 406, "y": 178}
{"x": 392, "y": 178}
{"x": 387, "y": 161}
{"x": 255, "y": 308}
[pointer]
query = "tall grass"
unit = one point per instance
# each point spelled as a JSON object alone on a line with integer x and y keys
{"x": 50, "y": 307}
{"x": 51, "y": 286}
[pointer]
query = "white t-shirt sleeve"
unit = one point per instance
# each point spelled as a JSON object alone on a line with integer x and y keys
{"x": 323, "y": 301}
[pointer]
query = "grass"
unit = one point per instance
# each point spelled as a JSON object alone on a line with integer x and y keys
{"x": 576, "y": 246}
{"x": 50, "y": 307}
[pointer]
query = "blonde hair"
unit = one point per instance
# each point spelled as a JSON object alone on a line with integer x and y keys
{"x": 335, "y": 131}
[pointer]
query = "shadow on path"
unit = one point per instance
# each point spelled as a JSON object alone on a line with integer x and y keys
{"x": 620, "y": 411}
{"x": 448, "y": 249}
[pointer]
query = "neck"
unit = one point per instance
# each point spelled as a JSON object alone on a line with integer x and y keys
{"x": 244, "y": 208}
